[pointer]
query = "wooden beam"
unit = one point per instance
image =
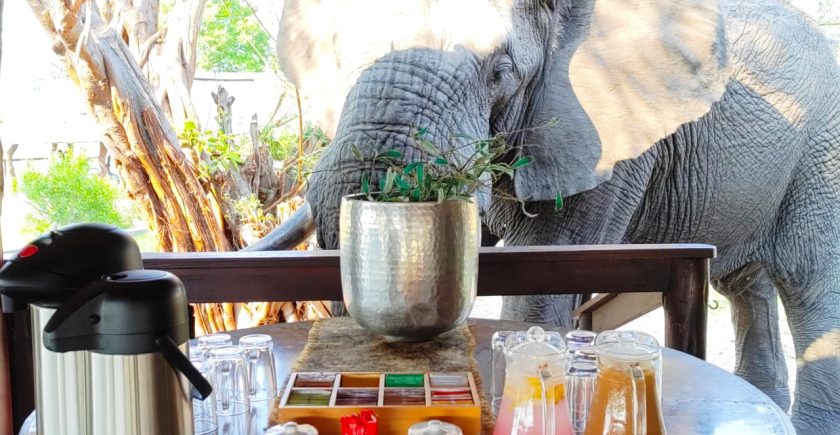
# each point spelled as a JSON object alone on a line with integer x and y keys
{"x": 315, "y": 275}
{"x": 611, "y": 310}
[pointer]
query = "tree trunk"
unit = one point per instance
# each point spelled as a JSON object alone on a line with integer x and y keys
{"x": 10, "y": 164}
{"x": 102, "y": 159}
{"x": 138, "y": 135}
{"x": 174, "y": 67}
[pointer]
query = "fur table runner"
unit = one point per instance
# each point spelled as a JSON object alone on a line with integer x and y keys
{"x": 341, "y": 345}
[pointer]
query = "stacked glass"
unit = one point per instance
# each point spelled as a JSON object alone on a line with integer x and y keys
{"x": 581, "y": 370}
{"x": 244, "y": 383}
{"x": 204, "y": 411}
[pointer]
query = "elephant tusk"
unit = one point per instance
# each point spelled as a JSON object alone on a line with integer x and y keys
{"x": 289, "y": 234}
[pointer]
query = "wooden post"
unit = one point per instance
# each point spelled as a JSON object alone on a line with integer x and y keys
{"x": 685, "y": 305}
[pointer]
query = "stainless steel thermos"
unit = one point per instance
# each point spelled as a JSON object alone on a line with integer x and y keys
{"x": 108, "y": 337}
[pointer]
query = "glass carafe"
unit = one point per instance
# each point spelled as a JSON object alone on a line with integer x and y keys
{"x": 627, "y": 393}
{"x": 534, "y": 397}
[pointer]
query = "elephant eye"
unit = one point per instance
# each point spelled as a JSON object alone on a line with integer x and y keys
{"x": 503, "y": 66}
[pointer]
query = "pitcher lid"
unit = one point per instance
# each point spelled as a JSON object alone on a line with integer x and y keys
{"x": 536, "y": 343}
{"x": 627, "y": 345}
{"x": 291, "y": 428}
{"x": 434, "y": 427}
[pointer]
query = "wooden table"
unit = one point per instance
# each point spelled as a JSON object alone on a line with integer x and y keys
{"x": 697, "y": 397}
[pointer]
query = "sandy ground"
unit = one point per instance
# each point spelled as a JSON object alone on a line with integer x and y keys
{"x": 720, "y": 343}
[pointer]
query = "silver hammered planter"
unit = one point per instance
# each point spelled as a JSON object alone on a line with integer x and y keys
{"x": 409, "y": 270}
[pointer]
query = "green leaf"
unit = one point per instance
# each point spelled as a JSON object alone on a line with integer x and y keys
{"x": 429, "y": 147}
{"x": 390, "y": 154}
{"x": 421, "y": 132}
{"x": 441, "y": 161}
{"x": 411, "y": 167}
{"x": 495, "y": 169}
{"x": 389, "y": 181}
{"x": 357, "y": 153}
{"x": 420, "y": 174}
{"x": 522, "y": 161}
{"x": 366, "y": 184}
{"x": 441, "y": 195}
{"x": 402, "y": 184}
{"x": 558, "y": 201}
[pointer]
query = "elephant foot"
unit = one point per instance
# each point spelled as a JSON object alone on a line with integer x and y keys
{"x": 781, "y": 396}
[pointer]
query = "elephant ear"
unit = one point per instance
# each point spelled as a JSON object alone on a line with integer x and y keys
{"x": 625, "y": 74}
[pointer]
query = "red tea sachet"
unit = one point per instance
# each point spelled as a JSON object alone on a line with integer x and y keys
{"x": 363, "y": 423}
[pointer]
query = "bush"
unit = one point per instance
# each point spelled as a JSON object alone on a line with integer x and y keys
{"x": 283, "y": 146}
{"x": 68, "y": 193}
{"x": 232, "y": 40}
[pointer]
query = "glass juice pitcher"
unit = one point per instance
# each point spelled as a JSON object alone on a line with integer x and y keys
{"x": 534, "y": 397}
{"x": 626, "y": 400}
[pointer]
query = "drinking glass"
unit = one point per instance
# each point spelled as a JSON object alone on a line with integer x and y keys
{"x": 204, "y": 411}
{"x": 578, "y": 338}
{"x": 497, "y": 365}
{"x": 210, "y": 341}
{"x": 259, "y": 355}
{"x": 580, "y": 384}
{"x": 230, "y": 380}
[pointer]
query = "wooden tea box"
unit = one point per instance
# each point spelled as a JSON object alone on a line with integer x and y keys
{"x": 399, "y": 400}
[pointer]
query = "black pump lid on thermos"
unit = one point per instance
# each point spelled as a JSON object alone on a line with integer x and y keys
{"x": 55, "y": 266}
{"x": 121, "y": 314}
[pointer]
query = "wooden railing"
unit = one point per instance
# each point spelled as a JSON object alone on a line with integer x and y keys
{"x": 679, "y": 272}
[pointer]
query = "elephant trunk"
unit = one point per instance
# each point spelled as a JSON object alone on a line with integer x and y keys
{"x": 291, "y": 233}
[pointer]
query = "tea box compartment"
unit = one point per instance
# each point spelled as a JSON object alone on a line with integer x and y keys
{"x": 399, "y": 400}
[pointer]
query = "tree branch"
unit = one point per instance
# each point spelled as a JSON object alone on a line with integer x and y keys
{"x": 146, "y": 48}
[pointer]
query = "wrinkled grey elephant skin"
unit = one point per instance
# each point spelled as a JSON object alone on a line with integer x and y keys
{"x": 659, "y": 121}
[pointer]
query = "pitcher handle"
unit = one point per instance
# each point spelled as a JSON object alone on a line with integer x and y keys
{"x": 548, "y": 408}
{"x": 639, "y": 399}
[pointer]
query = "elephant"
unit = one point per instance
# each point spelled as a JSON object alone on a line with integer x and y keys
{"x": 658, "y": 121}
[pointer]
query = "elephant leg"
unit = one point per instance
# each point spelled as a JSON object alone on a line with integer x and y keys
{"x": 755, "y": 317}
{"x": 546, "y": 309}
{"x": 813, "y": 311}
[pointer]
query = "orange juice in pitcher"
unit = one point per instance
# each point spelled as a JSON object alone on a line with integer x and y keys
{"x": 534, "y": 399}
{"x": 626, "y": 400}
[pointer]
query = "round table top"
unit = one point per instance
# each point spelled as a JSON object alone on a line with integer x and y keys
{"x": 697, "y": 397}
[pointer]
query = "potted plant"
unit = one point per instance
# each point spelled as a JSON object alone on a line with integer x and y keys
{"x": 409, "y": 242}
